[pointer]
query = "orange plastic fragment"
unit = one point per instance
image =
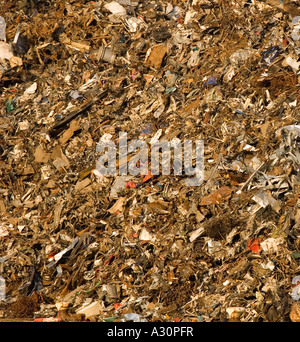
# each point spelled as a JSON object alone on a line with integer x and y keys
{"x": 147, "y": 177}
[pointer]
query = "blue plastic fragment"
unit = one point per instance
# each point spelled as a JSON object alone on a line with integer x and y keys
{"x": 210, "y": 81}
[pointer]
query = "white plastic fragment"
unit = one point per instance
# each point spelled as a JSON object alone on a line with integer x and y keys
{"x": 133, "y": 317}
{"x": 146, "y": 236}
{"x": 293, "y": 103}
{"x": 296, "y": 28}
{"x": 292, "y": 63}
{"x": 31, "y": 90}
{"x": 134, "y": 23}
{"x": 5, "y": 50}
{"x": 296, "y": 280}
{"x": 249, "y": 148}
{"x": 115, "y": 8}
{"x": 239, "y": 56}
{"x": 90, "y": 310}
{"x": 156, "y": 137}
{"x": 264, "y": 199}
{"x": 59, "y": 255}
{"x": 173, "y": 12}
{"x": 88, "y": 84}
{"x": 23, "y": 125}
{"x": 236, "y": 309}
{"x": 4, "y": 231}
{"x": 196, "y": 233}
{"x": 268, "y": 266}
{"x": 189, "y": 16}
{"x": 118, "y": 185}
{"x": 271, "y": 245}
{"x": 2, "y": 289}
{"x": 2, "y": 29}
{"x": 295, "y": 294}
{"x": 106, "y": 137}
{"x": 291, "y": 128}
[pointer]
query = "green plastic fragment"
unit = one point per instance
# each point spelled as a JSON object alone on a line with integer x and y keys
{"x": 296, "y": 255}
{"x": 110, "y": 319}
{"x": 9, "y": 105}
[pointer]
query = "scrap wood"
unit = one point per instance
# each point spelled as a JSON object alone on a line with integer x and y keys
{"x": 54, "y": 131}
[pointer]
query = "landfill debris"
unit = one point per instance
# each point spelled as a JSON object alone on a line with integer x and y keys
{"x": 79, "y": 244}
{"x": 235, "y": 313}
{"x": 295, "y": 312}
{"x": 6, "y": 51}
{"x": 2, "y": 289}
{"x": 296, "y": 288}
{"x": 296, "y": 28}
{"x": 90, "y": 310}
{"x": 133, "y": 317}
{"x": 2, "y": 29}
{"x": 48, "y": 319}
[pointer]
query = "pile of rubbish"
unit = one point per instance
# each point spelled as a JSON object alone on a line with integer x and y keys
{"x": 77, "y": 244}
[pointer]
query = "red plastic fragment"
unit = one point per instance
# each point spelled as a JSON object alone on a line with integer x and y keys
{"x": 254, "y": 245}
